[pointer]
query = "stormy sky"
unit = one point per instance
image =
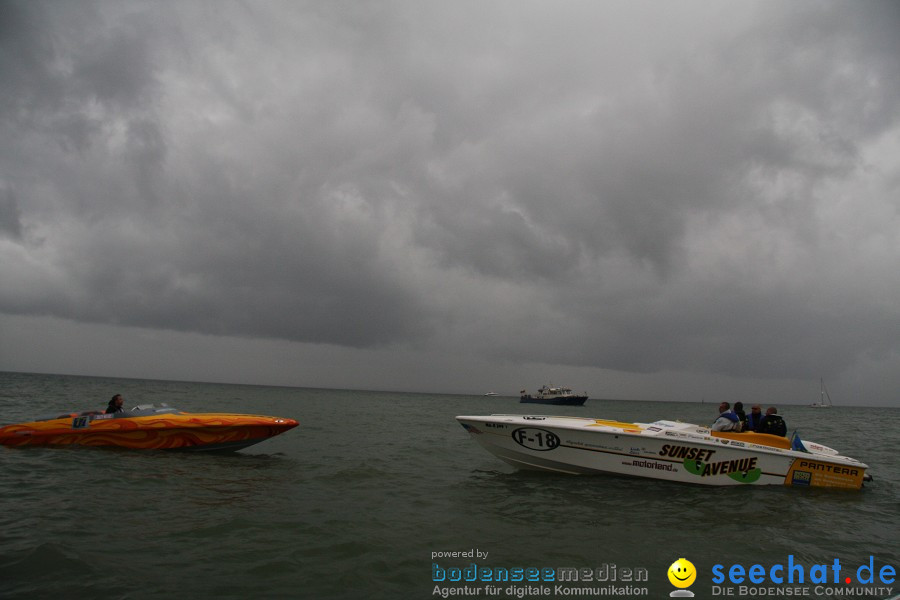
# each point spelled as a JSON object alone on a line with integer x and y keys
{"x": 641, "y": 199}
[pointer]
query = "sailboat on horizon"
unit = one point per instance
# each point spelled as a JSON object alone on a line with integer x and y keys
{"x": 822, "y": 403}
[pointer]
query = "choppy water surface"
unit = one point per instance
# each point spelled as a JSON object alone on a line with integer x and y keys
{"x": 354, "y": 502}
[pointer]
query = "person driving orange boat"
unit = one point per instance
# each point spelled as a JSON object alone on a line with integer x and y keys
{"x": 117, "y": 404}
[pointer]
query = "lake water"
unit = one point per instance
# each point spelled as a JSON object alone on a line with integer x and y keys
{"x": 358, "y": 501}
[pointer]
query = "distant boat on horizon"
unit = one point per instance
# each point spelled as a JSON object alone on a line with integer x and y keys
{"x": 823, "y": 395}
{"x": 559, "y": 396}
{"x": 492, "y": 394}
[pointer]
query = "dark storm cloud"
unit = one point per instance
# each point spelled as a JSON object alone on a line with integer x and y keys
{"x": 637, "y": 186}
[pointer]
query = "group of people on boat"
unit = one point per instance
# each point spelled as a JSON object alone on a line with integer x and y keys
{"x": 737, "y": 420}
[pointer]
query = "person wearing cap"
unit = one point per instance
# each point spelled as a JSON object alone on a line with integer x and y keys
{"x": 116, "y": 404}
{"x": 754, "y": 419}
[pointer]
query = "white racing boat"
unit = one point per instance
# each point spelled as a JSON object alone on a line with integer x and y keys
{"x": 667, "y": 450}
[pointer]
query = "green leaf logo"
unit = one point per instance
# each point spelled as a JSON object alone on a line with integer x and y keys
{"x": 747, "y": 477}
{"x": 694, "y": 467}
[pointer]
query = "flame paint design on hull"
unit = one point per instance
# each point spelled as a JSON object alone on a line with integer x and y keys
{"x": 168, "y": 431}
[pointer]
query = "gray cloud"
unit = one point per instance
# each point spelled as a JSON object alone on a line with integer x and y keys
{"x": 631, "y": 186}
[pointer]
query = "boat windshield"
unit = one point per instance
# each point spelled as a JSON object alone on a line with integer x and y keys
{"x": 141, "y": 410}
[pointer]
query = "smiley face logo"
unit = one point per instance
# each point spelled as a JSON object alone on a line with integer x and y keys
{"x": 682, "y": 573}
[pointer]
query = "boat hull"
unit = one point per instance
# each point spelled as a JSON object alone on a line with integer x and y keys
{"x": 167, "y": 431}
{"x": 663, "y": 450}
{"x": 558, "y": 401}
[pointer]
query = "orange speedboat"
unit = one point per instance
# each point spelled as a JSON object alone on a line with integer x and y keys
{"x": 147, "y": 427}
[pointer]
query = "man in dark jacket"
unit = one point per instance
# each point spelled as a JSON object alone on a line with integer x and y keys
{"x": 741, "y": 415}
{"x": 772, "y": 423}
{"x": 754, "y": 419}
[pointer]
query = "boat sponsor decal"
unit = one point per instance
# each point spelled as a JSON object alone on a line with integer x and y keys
{"x": 651, "y": 464}
{"x": 81, "y": 422}
{"x": 814, "y": 447}
{"x": 698, "y": 461}
{"x": 742, "y": 470}
{"x": 594, "y": 447}
{"x": 536, "y": 439}
{"x": 686, "y": 452}
{"x": 802, "y": 478}
{"x": 495, "y": 425}
{"x": 815, "y": 473}
{"x": 759, "y": 447}
{"x": 685, "y": 433}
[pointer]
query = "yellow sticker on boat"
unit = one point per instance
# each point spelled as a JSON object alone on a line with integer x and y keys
{"x": 816, "y": 473}
{"x": 628, "y": 426}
